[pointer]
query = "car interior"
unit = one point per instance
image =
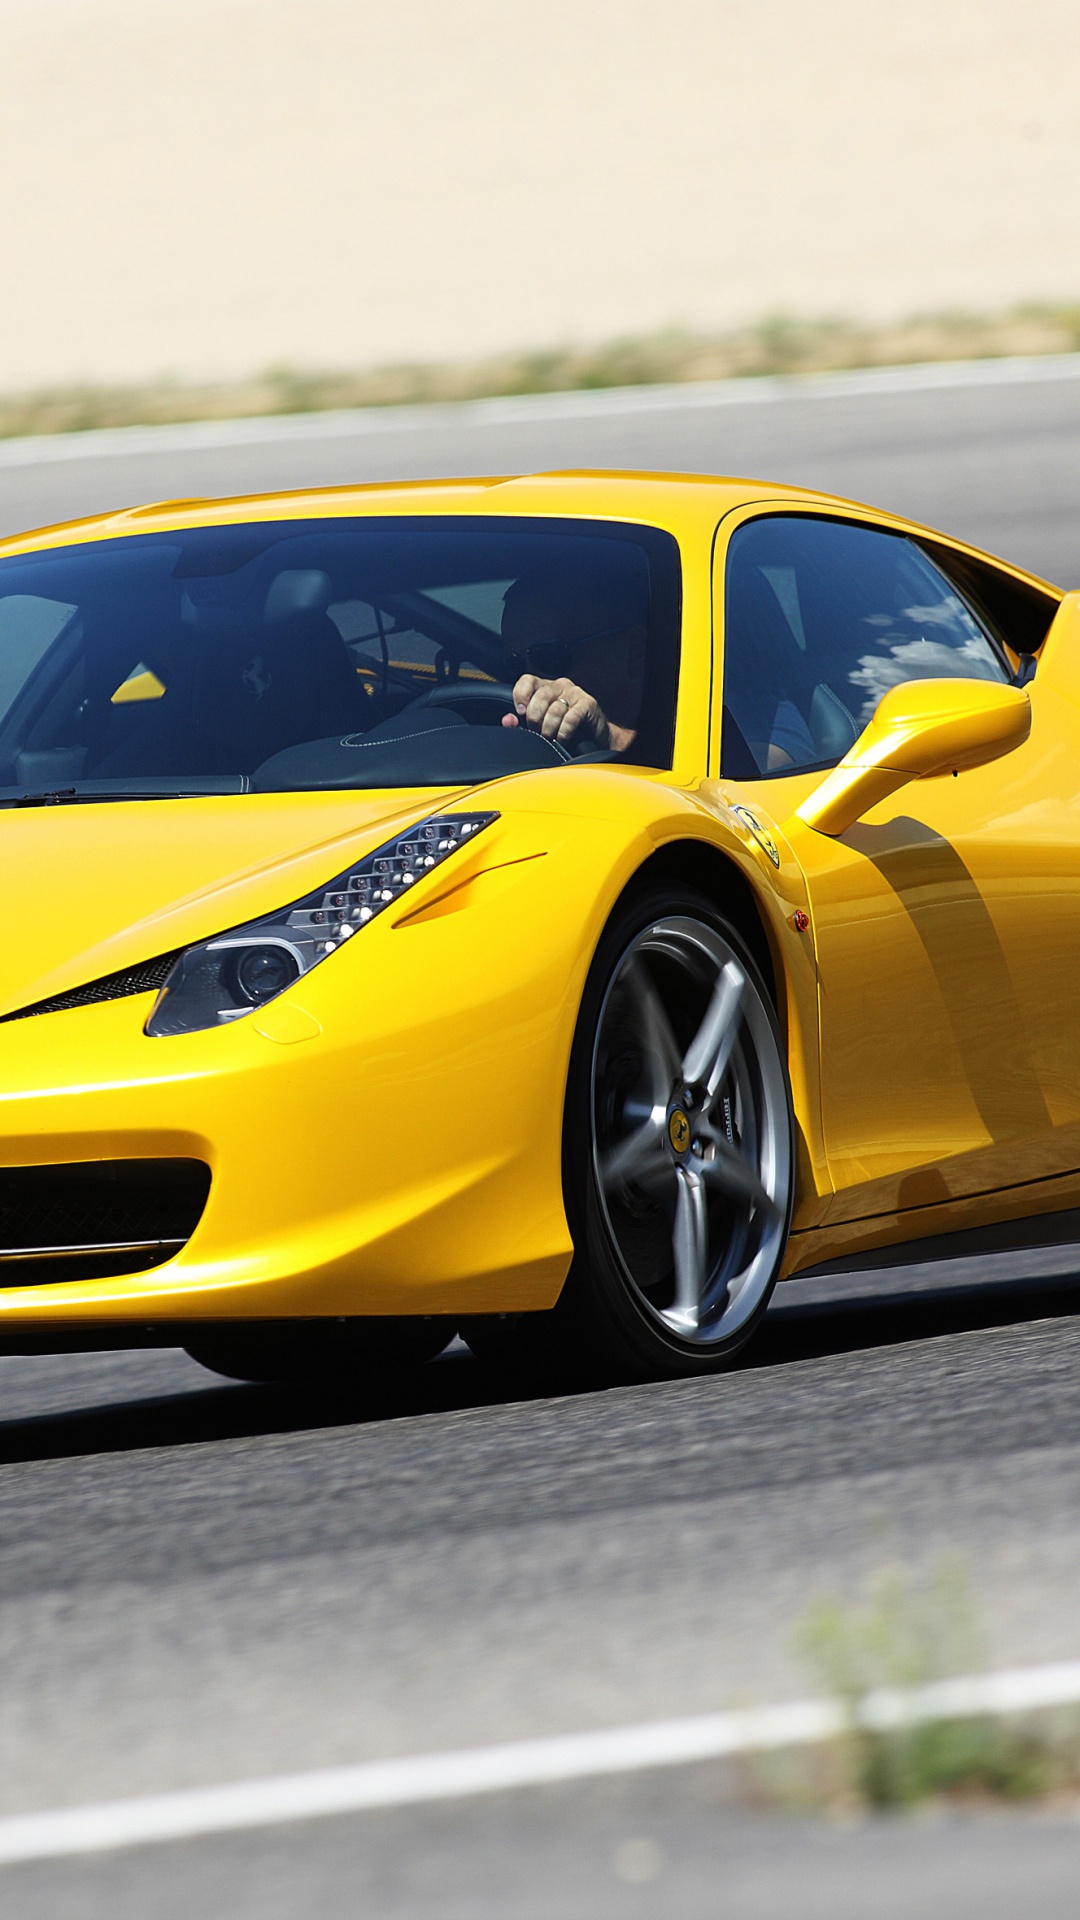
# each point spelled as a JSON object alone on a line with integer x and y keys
{"x": 289, "y": 655}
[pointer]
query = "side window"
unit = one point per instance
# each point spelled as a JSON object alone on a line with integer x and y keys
{"x": 820, "y": 619}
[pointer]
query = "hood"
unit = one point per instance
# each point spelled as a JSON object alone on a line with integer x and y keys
{"x": 90, "y": 889}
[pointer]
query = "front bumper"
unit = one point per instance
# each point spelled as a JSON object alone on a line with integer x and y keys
{"x": 385, "y": 1139}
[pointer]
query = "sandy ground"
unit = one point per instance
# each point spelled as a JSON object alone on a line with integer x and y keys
{"x": 211, "y": 186}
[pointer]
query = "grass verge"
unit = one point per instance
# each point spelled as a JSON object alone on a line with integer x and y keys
{"x": 907, "y": 1636}
{"x": 778, "y": 344}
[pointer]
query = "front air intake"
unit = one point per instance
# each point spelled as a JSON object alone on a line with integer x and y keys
{"x": 87, "y": 1219}
{"x": 148, "y": 977}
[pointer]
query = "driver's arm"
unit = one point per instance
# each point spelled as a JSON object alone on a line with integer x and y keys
{"x": 560, "y": 710}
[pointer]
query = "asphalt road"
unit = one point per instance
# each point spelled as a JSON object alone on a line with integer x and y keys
{"x": 994, "y": 458}
{"x": 200, "y": 1582}
{"x": 203, "y": 1582}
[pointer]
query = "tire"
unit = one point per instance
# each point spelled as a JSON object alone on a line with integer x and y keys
{"x": 678, "y": 1154}
{"x": 336, "y": 1354}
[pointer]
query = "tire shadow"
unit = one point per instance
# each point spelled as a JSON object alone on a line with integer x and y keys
{"x": 226, "y": 1410}
{"x": 794, "y": 1329}
{"x": 869, "y": 1311}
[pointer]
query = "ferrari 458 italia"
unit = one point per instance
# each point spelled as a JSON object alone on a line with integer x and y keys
{"x": 551, "y": 910}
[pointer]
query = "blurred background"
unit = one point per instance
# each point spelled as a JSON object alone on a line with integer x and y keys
{"x": 205, "y": 189}
{"x": 271, "y": 231}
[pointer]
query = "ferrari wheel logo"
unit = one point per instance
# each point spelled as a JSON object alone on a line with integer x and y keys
{"x": 679, "y": 1130}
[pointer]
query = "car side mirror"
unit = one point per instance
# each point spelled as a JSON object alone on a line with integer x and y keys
{"x": 920, "y": 730}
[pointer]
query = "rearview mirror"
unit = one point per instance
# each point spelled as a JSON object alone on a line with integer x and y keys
{"x": 920, "y": 730}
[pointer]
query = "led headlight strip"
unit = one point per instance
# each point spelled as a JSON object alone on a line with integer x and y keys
{"x": 220, "y": 980}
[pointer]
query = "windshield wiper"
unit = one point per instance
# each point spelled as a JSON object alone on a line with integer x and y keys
{"x": 78, "y": 797}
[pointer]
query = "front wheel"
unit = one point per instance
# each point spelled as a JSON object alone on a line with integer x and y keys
{"x": 679, "y": 1143}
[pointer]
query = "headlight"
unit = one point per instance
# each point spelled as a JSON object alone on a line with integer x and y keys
{"x": 224, "y": 978}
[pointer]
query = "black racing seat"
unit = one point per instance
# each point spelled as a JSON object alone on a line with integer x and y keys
{"x": 239, "y": 698}
{"x": 290, "y": 682}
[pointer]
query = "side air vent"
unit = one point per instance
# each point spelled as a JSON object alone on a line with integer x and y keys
{"x": 88, "y": 1219}
{"x": 146, "y": 978}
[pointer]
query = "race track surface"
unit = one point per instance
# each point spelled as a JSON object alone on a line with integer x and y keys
{"x": 201, "y": 1582}
{"x": 991, "y": 452}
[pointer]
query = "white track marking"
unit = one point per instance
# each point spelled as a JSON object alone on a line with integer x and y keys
{"x": 423, "y": 1778}
{"x": 100, "y": 443}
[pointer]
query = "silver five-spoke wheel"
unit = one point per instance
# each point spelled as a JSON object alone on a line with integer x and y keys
{"x": 691, "y": 1130}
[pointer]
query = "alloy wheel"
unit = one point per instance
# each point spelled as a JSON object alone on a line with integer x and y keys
{"x": 691, "y": 1130}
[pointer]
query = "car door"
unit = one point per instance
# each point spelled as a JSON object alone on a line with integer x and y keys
{"x": 946, "y": 921}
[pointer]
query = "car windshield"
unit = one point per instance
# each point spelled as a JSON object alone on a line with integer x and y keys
{"x": 296, "y": 655}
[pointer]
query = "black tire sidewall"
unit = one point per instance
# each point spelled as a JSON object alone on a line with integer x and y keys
{"x": 599, "y": 1310}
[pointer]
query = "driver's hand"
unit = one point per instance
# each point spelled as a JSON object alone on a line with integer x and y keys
{"x": 558, "y": 709}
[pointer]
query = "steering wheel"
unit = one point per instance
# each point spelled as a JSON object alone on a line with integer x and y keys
{"x": 499, "y": 695}
{"x": 468, "y": 693}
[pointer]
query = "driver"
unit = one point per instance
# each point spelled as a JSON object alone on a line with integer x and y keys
{"x": 591, "y": 624}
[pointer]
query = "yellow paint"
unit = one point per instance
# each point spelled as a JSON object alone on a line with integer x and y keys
{"x": 286, "y": 1023}
{"x": 929, "y": 1010}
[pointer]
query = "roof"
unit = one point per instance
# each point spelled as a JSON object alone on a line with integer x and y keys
{"x": 680, "y": 501}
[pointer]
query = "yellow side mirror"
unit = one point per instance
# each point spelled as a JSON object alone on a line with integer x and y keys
{"x": 919, "y": 731}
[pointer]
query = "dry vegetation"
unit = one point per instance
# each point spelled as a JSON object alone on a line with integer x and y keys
{"x": 781, "y": 344}
{"x": 910, "y": 1634}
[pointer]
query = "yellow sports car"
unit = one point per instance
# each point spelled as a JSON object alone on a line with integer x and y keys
{"x": 552, "y": 909}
